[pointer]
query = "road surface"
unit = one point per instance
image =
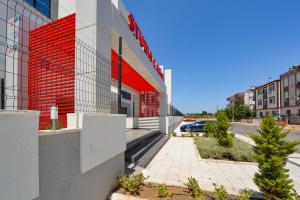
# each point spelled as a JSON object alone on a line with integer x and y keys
{"x": 245, "y": 129}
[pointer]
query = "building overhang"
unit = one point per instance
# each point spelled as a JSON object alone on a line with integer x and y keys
{"x": 132, "y": 52}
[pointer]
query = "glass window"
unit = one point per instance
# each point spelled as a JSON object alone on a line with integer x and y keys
{"x": 272, "y": 88}
{"x": 271, "y": 100}
{"x": 31, "y": 2}
{"x": 286, "y": 96}
{"x": 44, "y": 6}
{"x": 298, "y": 77}
{"x": 259, "y": 102}
{"x": 259, "y": 92}
{"x": 286, "y": 82}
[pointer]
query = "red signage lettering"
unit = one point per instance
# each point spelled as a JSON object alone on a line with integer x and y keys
{"x": 134, "y": 28}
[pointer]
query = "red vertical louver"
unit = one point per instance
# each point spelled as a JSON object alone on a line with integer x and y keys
{"x": 52, "y": 69}
{"x": 149, "y": 104}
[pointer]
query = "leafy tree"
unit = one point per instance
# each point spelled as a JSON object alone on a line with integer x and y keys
{"x": 222, "y": 126}
{"x": 238, "y": 112}
{"x": 271, "y": 152}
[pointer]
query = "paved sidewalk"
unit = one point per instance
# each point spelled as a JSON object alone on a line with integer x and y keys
{"x": 179, "y": 159}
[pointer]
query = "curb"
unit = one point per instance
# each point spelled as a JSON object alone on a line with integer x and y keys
{"x": 118, "y": 196}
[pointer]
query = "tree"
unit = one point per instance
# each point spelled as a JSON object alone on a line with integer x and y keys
{"x": 238, "y": 112}
{"x": 222, "y": 126}
{"x": 271, "y": 152}
{"x": 209, "y": 129}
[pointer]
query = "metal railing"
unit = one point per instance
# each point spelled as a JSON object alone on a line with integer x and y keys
{"x": 173, "y": 111}
{"x": 44, "y": 64}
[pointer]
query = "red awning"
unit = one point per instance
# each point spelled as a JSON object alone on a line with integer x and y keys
{"x": 130, "y": 77}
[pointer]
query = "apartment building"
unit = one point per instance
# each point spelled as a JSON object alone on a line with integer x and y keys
{"x": 290, "y": 87}
{"x": 235, "y": 99}
{"x": 245, "y": 98}
{"x": 267, "y": 98}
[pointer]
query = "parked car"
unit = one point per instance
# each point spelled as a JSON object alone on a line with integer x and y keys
{"x": 197, "y": 126}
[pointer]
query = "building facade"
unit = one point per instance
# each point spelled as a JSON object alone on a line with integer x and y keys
{"x": 267, "y": 98}
{"x": 245, "y": 98}
{"x": 249, "y": 99}
{"x": 236, "y": 99}
{"x": 67, "y": 53}
{"x": 290, "y": 87}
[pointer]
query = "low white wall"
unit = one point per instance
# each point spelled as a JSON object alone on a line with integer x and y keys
{"x": 164, "y": 124}
{"x": 131, "y": 122}
{"x": 60, "y": 169}
{"x": 19, "y": 162}
{"x": 170, "y": 123}
{"x": 102, "y": 137}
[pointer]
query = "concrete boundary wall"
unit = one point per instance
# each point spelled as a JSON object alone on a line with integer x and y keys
{"x": 170, "y": 123}
{"x": 102, "y": 137}
{"x": 19, "y": 162}
{"x": 60, "y": 171}
{"x": 132, "y": 122}
{"x": 173, "y": 122}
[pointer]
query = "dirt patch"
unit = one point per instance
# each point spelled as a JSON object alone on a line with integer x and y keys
{"x": 149, "y": 191}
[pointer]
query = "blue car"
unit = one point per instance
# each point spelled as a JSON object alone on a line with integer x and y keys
{"x": 197, "y": 126}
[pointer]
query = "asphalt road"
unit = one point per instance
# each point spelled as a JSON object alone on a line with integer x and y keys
{"x": 245, "y": 129}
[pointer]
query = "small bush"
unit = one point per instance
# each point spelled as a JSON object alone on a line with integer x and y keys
{"x": 220, "y": 193}
{"x": 209, "y": 129}
{"x": 194, "y": 188}
{"x": 245, "y": 194}
{"x": 210, "y": 148}
{"x": 222, "y": 126}
{"x": 132, "y": 183}
{"x": 191, "y": 134}
{"x": 162, "y": 191}
{"x": 174, "y": 134}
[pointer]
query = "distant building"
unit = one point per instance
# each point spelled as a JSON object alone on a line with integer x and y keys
{"x": 290, "y": 87}
{"x": 267, "y": 98}
{"x": 236, "y": 99}
{"x": 245, "y": 98}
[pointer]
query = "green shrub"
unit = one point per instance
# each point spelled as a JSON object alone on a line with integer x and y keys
{"x": 271, "y": 152}
{"x": 174, "y": 134}
{"x": 220, "y": 193}
{"x": 222, "y": 126}
{"x": 194, "y": 188}
{"x": 132, "y": 183}
{"x": 162, "y": 191}
{"x": 210, "y": 148}
{"x": 191, "y": 134}
{"x": 209, "y": 129}
{"x": 245, "y": 194}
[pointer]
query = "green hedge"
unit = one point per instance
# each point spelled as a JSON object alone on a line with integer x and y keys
{"x": 210, "y": 148}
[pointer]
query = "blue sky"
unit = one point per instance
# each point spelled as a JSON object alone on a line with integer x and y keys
{"x": 219, "y": 47}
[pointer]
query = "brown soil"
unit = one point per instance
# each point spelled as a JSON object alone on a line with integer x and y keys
{"x": 149, "y": 191}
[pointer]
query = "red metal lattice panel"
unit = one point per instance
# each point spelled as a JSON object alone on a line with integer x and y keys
{"x": 52, "y": 69}
{"x": 149, "y": 104}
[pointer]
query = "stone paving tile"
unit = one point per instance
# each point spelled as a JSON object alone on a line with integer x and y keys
{"x": 179, "y": 159}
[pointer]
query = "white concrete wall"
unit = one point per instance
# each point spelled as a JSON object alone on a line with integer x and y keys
{"x": 168, "y": 82}
{"x": 19, "y": 162}
{"x": 66, "y": 7}
{"x": 170, "y": 123}
{"x": 131, "y": 122}
{"x": 102, "y": 137}
{"x": 60, "y": 171}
